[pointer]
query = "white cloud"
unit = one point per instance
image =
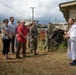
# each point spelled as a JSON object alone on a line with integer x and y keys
{"x": 44, "y": 8}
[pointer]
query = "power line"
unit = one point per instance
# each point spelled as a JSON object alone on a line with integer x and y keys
{"x": 12, "y": 8}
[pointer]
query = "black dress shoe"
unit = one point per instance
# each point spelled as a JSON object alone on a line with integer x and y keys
{"x": 35, "y": 53}
{"x": 18, "y": 57}
{"x": 24, "y": 55}
{"x": 72, "y": 63}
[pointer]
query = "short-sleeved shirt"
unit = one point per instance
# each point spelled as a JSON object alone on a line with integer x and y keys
{"x": 22, "y": 29}
{"x": 7, "y": 30}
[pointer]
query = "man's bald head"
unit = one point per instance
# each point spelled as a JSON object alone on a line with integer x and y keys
{"x": 71, "y": 21}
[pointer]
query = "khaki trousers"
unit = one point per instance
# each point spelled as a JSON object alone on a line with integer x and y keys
{"x": 23, "y": 46}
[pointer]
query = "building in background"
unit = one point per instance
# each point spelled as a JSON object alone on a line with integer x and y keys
{"x": 60, "y": 25}
{"x": 68, "y": 9}
{"x": 27, "y": 22}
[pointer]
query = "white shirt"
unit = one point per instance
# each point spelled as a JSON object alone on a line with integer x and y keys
{"x": 72, "y": 32}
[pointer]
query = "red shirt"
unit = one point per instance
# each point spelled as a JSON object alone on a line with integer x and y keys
{"x": 22, "y": 29}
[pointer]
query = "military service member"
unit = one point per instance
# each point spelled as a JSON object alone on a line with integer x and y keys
{"x": 48, "y": 33}
{"x": 33, "y": 38}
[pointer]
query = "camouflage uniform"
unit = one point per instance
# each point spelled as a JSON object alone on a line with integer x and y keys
{"x": 48, "y": 33}
{"x": 33, "y": 38}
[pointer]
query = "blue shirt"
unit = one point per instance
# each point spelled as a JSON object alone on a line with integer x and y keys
{"x": 12, "y": 27}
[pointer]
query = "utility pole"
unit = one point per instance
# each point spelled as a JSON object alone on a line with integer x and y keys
{"x": 55, "y": 20}
{"x": 32, "y": 13}
{"x": 49, "y": 19}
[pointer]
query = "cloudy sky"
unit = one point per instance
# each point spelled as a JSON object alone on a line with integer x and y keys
{"x": 46, "y": 10}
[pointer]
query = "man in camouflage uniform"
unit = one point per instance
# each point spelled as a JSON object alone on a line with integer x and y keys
{"x": 48, "y": 34}
{"x": 33, "y": 38}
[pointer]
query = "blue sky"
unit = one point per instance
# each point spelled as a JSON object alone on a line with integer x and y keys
{"x": 46, "y": 10}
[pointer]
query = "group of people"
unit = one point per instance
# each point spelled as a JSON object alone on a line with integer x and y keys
{"x": 12, "y": 33}
{"x": 19, "y": 33}
{"x": 70, "y": 35}
{"x": 8, "y": 34}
